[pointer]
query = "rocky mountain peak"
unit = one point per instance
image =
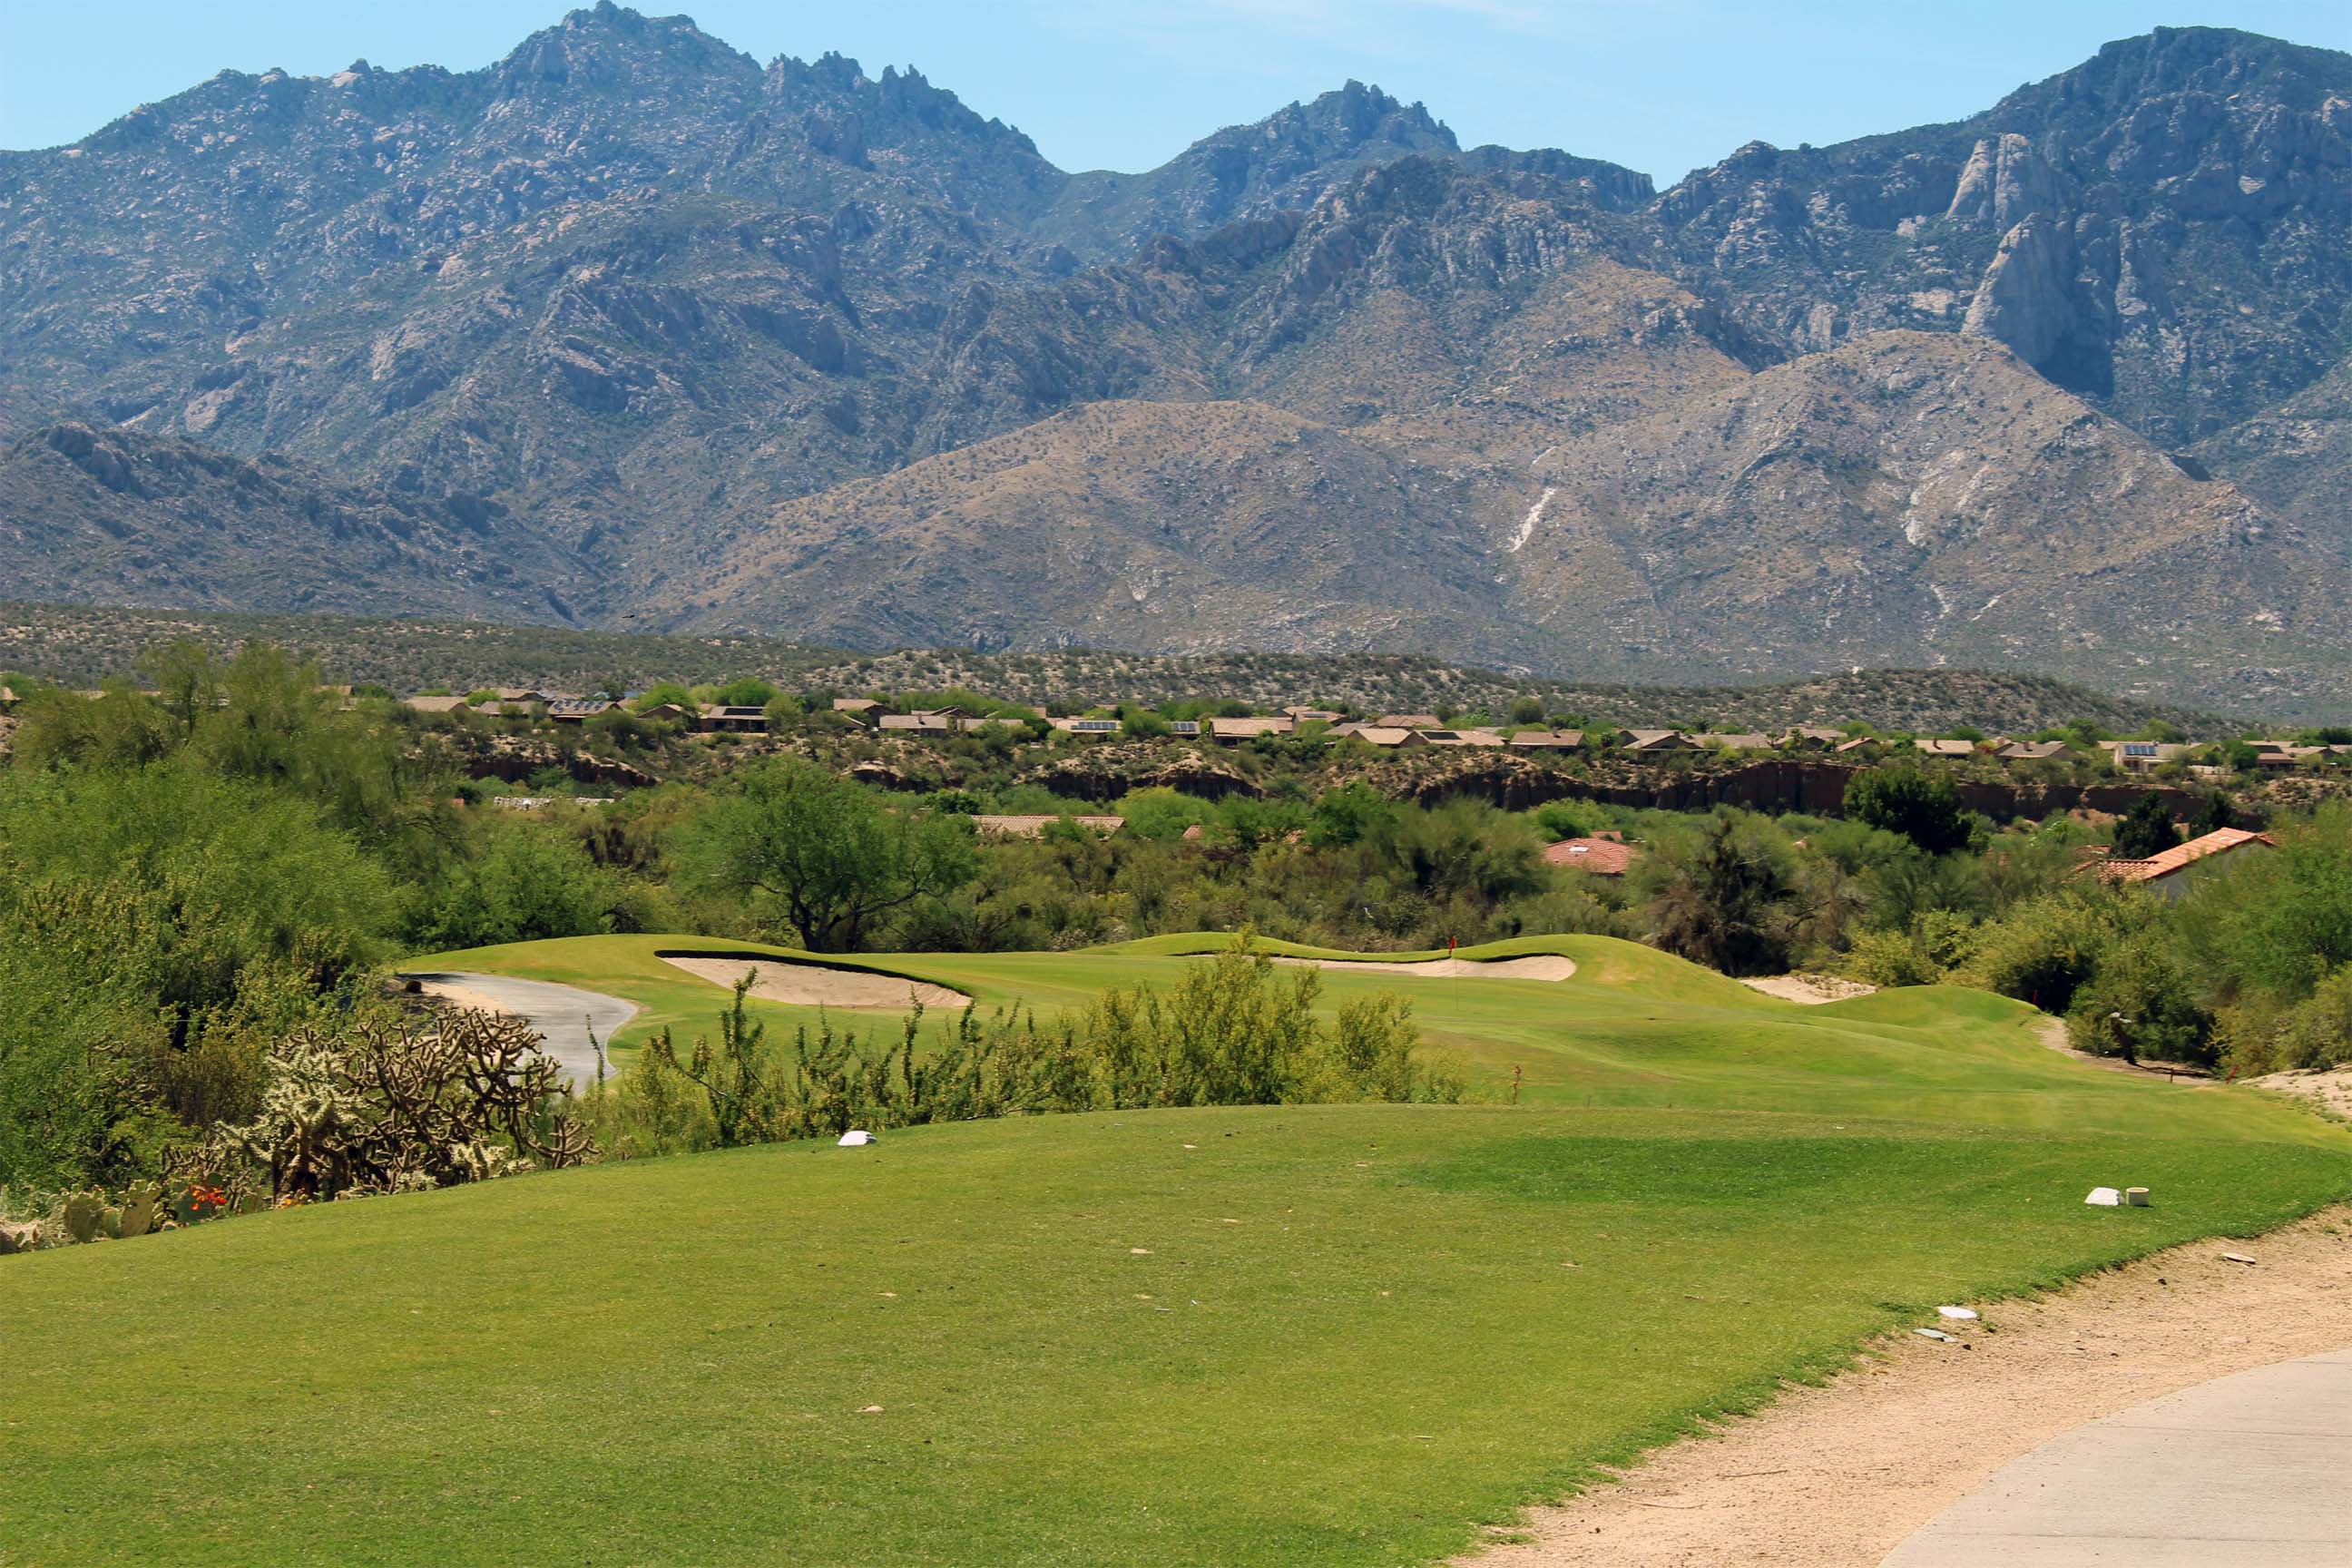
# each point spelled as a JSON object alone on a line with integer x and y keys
{"x": 1354, "y": 116}
{"x": 613, "y": 47}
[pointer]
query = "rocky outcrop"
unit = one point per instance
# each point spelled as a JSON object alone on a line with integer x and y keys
{"x": 2026, "y": 298}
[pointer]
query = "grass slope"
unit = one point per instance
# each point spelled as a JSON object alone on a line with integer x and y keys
{"x": 1330, "y": 1335}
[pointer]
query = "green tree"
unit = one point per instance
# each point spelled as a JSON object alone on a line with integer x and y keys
{"x": 1923, "y": 807}
{"x": 2214, "y": 815}
{"x": 2146, "y": 830}
{"x": 746, "y": 691}
{"x": 822, "y": 854}
{"x": 1726, "y": 900}
{"x": 1351, "y": 814}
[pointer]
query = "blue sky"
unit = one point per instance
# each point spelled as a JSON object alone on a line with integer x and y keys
{"x": 1661, "y": 85}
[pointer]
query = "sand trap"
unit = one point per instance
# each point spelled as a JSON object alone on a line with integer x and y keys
{"x": 2330, "y": 1088}
{"x": 1812, "y": 990}
{"x": 1836, "y": 1476}
{"x": 816, "y": 984}
{"x": 1536, "y": 966}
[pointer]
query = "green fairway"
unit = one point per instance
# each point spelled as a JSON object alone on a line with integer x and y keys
{"x": 1321, "y": 1335}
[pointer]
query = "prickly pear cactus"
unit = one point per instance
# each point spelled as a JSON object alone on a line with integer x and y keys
{"x": 83, "y": 1211}
{"x": 137, "y": 1211}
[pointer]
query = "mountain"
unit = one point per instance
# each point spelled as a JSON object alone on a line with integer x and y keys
{"x": 97, "y": 515}
{"x": 629, "y": 330}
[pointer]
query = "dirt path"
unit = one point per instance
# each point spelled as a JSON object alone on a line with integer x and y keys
{"x": 817, "y": 985}
{"x": 2054, "y": 1035}
{"x": 1837, "y": 1477}
{"x": 1536, "y": 967}
{"x": 1812, "y": 990}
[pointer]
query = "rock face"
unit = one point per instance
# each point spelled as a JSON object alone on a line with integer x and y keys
{"x": 627, "y": 328}
{"x": 2026, "y": 298}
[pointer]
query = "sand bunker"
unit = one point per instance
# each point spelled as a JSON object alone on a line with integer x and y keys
{"x": 1536, "y": 966}
{"x": 1812, "y": 990}
{"x": 816, "y": 984}
{"x": 2330, "y": 1089}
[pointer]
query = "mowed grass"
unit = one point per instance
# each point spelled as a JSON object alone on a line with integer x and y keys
{"x": 1342, "y": 1335}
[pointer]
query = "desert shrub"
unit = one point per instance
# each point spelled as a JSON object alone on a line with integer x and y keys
{"x": 1234, "y": 1029}
{"x": 2139, "y": 1002}
{"x": 2315, "y": 1032}
{"x": 2046, "y": 950}
{"x": 1920, "y": 953}
{"x": 1560, "y": 820}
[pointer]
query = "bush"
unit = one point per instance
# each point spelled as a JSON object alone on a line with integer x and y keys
{"x": 1232, "y": 1031}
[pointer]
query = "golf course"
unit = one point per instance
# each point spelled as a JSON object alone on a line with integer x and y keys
{"x": 1327, "y": 1334}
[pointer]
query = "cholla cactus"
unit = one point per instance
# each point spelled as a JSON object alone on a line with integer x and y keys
{"x": 394, "y": 1107}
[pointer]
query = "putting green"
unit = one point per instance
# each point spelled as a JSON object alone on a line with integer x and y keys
{"x": 1322, "y": 1335}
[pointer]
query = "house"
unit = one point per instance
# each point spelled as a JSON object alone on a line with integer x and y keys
{"x": 578, "y": 709}
{"x": 1609, "y": 857}
{"x": 668, "y": 713}
{"x": 1460, "y": 737}
{"x": 1549, "y": 739}
{"x": 1749, "y": 740}
{"x": 1857, "y": 744}
{"x": 1408, "y": 721}
{"x": 1034, "y": 827}
{"x": 723, "y": 719}
{"x": 2174, "y": 871}
{"x": 1096, "y": 727}
{"x": 2033, "y": 751}
{"x": 916, "y": 723}
{"x": 1313, "y": 715}
{"x": 1184, "y": 729}
{"x": 1815, "y": 738}
{"x": 433, "y": 704}
{"x": 1935, "y": 748}
{"x": 1655, "y": 740}
{"x": 1387, "y": 737}
{"x": 524, "y": 695}
{"x": 2143, "y": 757}
{"x": 865, "y": 710}
{"x": 1233, "y": 731}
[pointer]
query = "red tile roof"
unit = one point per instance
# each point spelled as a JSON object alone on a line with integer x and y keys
{"x": 2181, "y": 857}
{"x": 1602, "y": 856}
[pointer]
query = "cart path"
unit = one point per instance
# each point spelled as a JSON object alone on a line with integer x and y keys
{"x": 562, "y": 1015}
{"x": 1839, "y": 1475}
{"x": 2243, "y": 1473}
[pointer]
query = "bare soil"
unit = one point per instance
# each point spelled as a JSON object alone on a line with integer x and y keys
{"x": 1536, "y": 966}
{"x": 1812, "y": 990}
{"x": 819, "y": 985}
{"x": 1836, "y": 1476}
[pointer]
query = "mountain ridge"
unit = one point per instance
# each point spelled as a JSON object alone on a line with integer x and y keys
{"x": 676, "y": 329}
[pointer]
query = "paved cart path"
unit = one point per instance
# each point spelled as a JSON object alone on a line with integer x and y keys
{"x": 2241, "y": 1472}
{"x": 564, "y": 1014}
